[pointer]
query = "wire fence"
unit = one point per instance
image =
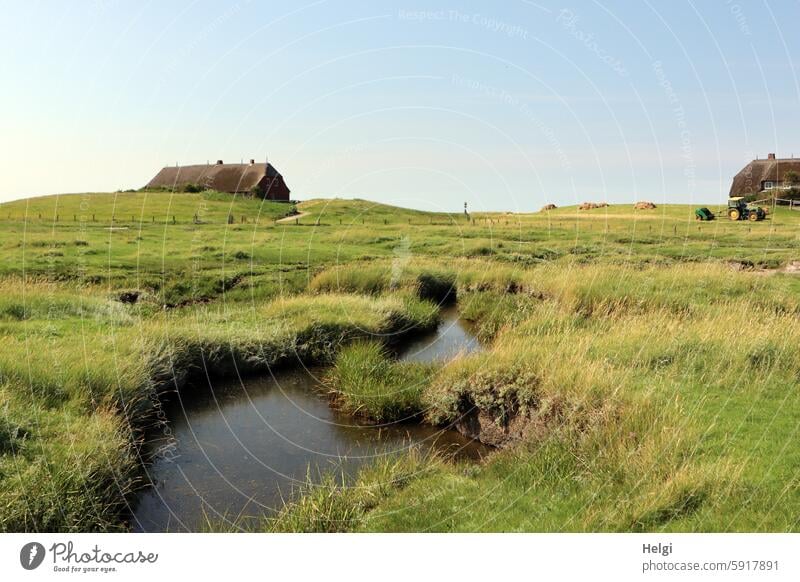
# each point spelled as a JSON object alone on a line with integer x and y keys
{"x": 132, "y": 219}
{"x": 792, "y": 204}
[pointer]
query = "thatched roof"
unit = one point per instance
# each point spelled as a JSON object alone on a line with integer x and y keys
{"x": 221, "y": 177}
{"x": 750, "y": 178}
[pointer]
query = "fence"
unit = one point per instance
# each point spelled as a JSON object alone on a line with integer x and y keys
{"x": 792, "y": 204}
{"x": 196, "y": 219}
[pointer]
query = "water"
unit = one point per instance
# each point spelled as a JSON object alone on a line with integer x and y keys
{"x": 453, "y": 336}
{"x": 240, "y": 448}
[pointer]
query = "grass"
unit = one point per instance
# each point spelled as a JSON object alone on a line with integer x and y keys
{"x": 80, "y": 375}
{"x": 130, "y": 241}
{"x": 426, "y": 282}
{"x": 668, "y": 416}
{"x": 332, "y": 504}
{"x": 367, "y": 382}
{"x": 651, "y": 420}
{"x": 641, "y": 374}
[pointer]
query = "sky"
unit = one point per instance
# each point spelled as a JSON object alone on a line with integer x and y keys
{"x": 503, "y": 105}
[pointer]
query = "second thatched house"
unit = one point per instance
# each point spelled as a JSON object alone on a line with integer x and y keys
{"x": 261, "y": 180}
{"x": 767, "y": 177}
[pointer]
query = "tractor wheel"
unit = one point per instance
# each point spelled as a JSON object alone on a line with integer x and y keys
{"x": 753, "y": 216}
{"x": 734, "y": 214}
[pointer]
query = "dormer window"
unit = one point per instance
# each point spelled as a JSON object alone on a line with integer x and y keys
{"x": 768, "y": 185}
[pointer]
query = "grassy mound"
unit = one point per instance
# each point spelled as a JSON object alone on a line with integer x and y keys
{"x": 367, "y": 382}
{"x": 437, "y": 286}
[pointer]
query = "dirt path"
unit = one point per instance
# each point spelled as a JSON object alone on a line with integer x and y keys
{"x": 293, "y": 217}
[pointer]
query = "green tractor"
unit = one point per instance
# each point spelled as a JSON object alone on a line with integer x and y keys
{"x": 739, "y": 209}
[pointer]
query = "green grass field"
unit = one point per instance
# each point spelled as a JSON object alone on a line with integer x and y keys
{"x": 641, "y": 374}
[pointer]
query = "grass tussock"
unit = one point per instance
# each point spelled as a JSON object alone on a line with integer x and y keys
{"x": 435, "y": 285}
{"x": 367, "y": 382}
{"x": 12, "y": 437}
{"x": 73, "y": 474}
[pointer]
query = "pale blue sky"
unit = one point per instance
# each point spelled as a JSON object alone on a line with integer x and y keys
{"x": 428, "y": 104}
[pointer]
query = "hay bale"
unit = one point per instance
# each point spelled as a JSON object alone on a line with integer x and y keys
{"x": 548, "y": 207}
{"x": 644, "y": 205}
{"x": 592, "y": 205}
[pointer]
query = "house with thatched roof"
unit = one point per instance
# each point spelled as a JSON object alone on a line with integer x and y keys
{"x": 261, "y": 180}
{"x": 766, "y": 177}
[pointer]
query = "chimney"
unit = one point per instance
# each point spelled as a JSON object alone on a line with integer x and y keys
{"x": 770, "y": 156}
{"x": 252, "y": 161}
{"x": 219, "y": 162}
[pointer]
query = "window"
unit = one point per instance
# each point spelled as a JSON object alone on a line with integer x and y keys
{"x": 767, "y": 185}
